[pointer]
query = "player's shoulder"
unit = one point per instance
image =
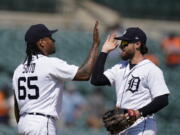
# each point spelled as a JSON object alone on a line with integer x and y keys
{"x": 55, "y": 60}
{"x": 151, "y": 66}
{"x": 18, "y": 69}
{"x": 119, "y": 66}
{"x": 49, "y": 60}
{"x": 122, "y": 64}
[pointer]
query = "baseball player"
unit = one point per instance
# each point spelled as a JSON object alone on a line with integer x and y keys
{"x": 38, "y": 82}
{"x": 139, "y": 83}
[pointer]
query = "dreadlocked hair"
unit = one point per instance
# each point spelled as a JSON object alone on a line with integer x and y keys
{"x": 31, "y": 49}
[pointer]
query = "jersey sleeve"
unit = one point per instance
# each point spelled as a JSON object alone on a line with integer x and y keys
{"x": 62, "y": 70}
{"x": 156, "y": 83}
{"x": 111, "y": 74}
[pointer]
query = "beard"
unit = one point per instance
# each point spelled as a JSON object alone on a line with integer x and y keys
{"x": 127, "y": 55}
{"x": 54, "y": 50}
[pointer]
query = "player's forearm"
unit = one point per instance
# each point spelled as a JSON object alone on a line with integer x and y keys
{"x": 98, "y": 78}
{"x": 85, "y": 70}
{"x": 156, "y": 105}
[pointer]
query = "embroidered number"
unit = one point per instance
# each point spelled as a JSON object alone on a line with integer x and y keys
{"x": 22, "y": 91}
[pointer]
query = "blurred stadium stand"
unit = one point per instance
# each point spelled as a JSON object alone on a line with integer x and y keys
{"x": 29, "y": 5}
{"x": 155, "y": 9}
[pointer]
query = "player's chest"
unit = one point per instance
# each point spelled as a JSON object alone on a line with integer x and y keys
{"x": 132, "y": 81}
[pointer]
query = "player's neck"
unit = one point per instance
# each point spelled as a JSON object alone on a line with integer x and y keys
{"x": 137, "y": 58}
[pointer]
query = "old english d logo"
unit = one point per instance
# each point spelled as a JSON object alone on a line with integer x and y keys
{"x": 133, "y": 84}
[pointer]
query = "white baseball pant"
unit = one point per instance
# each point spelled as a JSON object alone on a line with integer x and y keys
{"x": 144, "y": 126}
{"x": 36, "y": 125}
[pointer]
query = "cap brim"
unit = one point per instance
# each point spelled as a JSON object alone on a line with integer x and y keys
{"x": 122, "y": 38}
{"x": 53, "y": 31}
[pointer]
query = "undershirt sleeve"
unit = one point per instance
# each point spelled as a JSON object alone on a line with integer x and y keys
{"x": 157, "y": 104}
{"x": 98, "y": 78}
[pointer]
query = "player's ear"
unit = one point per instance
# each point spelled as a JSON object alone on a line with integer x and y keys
{"x": 41, "y": 43}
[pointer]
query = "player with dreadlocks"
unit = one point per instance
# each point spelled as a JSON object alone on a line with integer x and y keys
{"x": 38, "y": 82}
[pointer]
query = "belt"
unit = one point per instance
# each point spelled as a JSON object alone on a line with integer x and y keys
{"x": 41, "y": 114}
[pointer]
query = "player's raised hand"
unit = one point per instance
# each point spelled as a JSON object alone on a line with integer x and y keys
{"x": 110, "y": 43}
{"x": 85, "y": 70}
{"x": 96, "y": 38}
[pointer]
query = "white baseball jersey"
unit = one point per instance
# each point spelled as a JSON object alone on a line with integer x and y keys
{"x": 39, "y": 87}
{"x": 136, "y": 87}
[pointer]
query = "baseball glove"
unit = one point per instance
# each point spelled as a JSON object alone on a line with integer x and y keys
{"x": 117, "y": 120}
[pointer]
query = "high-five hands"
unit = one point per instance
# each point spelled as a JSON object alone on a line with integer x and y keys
{"x": 110, "y": 43}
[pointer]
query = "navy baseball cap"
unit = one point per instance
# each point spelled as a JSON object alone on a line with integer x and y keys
{"x": 36, "y": 32}
{"x": 133, "y": 34}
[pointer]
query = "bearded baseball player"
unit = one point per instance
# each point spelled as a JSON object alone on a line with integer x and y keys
{"x": 38, "y": 81}
{"x": 140, "y": 86}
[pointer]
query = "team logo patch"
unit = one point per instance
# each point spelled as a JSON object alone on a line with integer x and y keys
{"x": 133, "y": 84}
